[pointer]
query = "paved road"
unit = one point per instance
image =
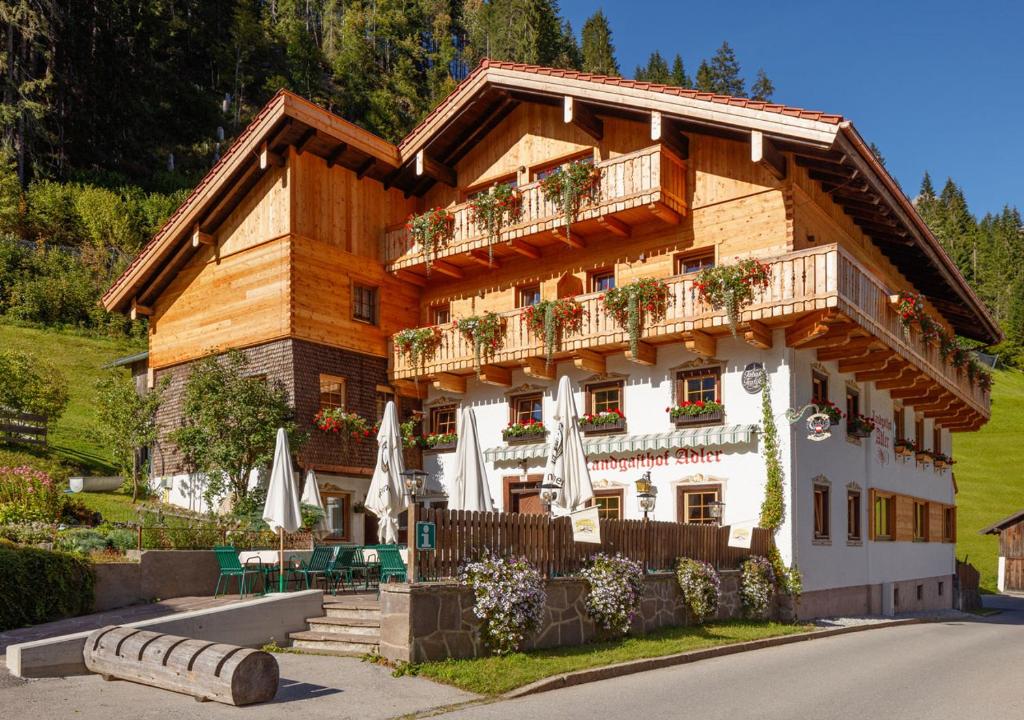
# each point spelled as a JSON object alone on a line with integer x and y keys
{"x": 968, "y": 669}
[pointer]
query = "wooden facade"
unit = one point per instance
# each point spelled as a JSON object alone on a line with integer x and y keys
{"x": 1011, "y": 551}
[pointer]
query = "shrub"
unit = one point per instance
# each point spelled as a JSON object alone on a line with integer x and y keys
{"x": 616, "y": 586}
{"x": 509, "y": 599}
{"x": 31, "y": 384}
{"x": 701, "y": 587}
{"x": 28, "y": 495}
{"x": 28, "y": 533}
{"x": 41, "y": 585}
{"x": 757, "y": 581}
{"x": 81, "y": 540}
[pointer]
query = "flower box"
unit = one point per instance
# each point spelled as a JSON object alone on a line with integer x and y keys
{"x": 712, "y": 417}
{"x": 441, "y": 445}
{"x": 608, "y": 426}
{"x": 859, "y": 426}
{"x": 524, "y": 434}
{"x": 923, "y": 456}
{"x": 859, "y": 432}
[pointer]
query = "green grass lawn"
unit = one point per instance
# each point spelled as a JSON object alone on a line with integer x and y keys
{"x": 989, "y": 471}
{"x": 113, "y": 506}
{"x": 496, "y": 675}
{"x": 74, "y": 439}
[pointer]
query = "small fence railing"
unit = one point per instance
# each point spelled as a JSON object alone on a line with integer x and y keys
{"x": 198, "y": 538}
{"x": 17, "y": 428}
{"x": 548, "y": 542}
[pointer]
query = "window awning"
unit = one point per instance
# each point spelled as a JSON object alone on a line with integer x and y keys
{"x": 611, "y": 444}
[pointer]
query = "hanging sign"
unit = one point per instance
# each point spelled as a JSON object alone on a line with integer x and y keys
{"x": 586, "y": 525}
{"x": 741, "y": 534}
{"x": 753, "y": 377}
{"x": 818, "y": 426}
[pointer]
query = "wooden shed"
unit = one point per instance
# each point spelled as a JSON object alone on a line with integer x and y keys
{"x": 1011, "y": 551}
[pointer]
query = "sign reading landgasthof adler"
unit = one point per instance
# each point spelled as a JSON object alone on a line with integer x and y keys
{"x": 682, "y": 456}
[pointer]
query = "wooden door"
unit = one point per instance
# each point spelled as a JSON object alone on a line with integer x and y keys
{"x": 523, "y": 496}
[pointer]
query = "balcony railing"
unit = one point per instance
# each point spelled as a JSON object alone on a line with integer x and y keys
{"x": 653, "y": 176}
{"x": 826, "y": 277}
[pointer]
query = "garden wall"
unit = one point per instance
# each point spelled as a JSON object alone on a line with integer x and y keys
{"x": 433, "y": 621}
{"x": 158, "y": 574}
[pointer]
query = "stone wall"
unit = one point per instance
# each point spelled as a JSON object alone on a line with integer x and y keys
{"x": 433, "y": 621}
{"x": 157, "y": 575}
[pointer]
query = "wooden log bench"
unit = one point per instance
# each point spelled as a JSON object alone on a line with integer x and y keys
{"x": 208, "y": 671}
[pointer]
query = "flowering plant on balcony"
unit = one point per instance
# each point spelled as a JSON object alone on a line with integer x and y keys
{"x": 495, "y": 210}
{"x": 686, "y": 408}
{"x": 605, "y": 417}
{"x": 616, "y": 586}
{"x": 569, "y": 187}
{"x": 418, "y": 344}
{"x": 486, "y": 332}
{"x": 860, "y": 426}
{"x": 732, "y": 287}
{"x": 530, "y": 428}
{"x": 554, "y": 320}
{"x": 701, "y": 586}
{"x": 905, "y": 446}
{"x": 633, "y": 306}
{"x": 832, "y": 410}
{"x": 433, "y": 230}
{"x": 338, "y": 421}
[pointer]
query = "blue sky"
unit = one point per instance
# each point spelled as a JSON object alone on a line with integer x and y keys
{"x": 938, "y": 86}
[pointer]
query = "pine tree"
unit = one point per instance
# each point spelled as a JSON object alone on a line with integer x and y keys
{"x": 656, "y": 70}
{"x": 725, "y": 72}
{"x": 678, "y": 75}
{"x": 763, "y": 87}
{"x": 528, "y": 31}
{"x": 569, "y": 54}
{"x": 927, "y": 190}
{"x": 705, "y": 78}
{"x": 598, "y": 49}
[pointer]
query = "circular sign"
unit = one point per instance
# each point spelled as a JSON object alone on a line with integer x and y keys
{"x": 753, "y": 377}
{"x": 818, "y": 426}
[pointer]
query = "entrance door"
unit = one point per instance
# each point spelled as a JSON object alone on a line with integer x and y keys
{"x": 523, "y": 496}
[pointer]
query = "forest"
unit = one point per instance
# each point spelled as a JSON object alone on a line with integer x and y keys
{"x": 111, "y": 110}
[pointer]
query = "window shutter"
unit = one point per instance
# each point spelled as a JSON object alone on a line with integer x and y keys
{"x": 935, "y": 521}
{"x": 904, "y": 530}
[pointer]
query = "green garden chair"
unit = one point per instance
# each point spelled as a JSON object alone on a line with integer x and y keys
{"x": 391, "y": 565}
{"x": 347, "y": 563}
{"x": 231, "y": 566}
{"x": 317, "y": 567}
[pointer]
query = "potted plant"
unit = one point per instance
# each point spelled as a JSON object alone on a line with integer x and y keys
{"x": 495, "y": 210}
{"x": 418, "y": 344}
{"x": 554, "y": 320}
{"x": 433, "y": 230}
{"x": 732, "y": 287}
{"x": 635, "y": 305}
{"x": 698, "y": 412}
{"x": 486, "y": 332}
{"x": 606, "y": 421}
{"x": 924, "y": 456}
{"x": 440, "y": 442}
{"x": 526, "y": 432}
{"x": 827, "y": 407}
{"x": 942, "y": 461}
{"x": 569, "y": 187}
{"x": 860, "y": 426}
{"x": 347, "y": 424}
{"x": 905, "y": 447}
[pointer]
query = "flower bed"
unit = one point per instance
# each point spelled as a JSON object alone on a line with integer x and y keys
{"x": 528, "y": 432}
{"x": 603, "y": 422}
{"x": 696, "y": 413}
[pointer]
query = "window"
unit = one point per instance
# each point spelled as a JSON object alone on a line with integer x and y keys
{"x": 937, "y": 439}
{"x": 852, "y": 406}
{"x": 440, "y": 314}
{"x": 601, "y": 280}
{"x": 883, "y": 517}
{"x": 819, "y": 388}
{"x": 609, "y": 505}
{"x": 604, "y": 397}
{"x": 384, "y": 394}
{"x": 920, "y": 521}
{"x": 443, "y": 420}
{"x": 364, "y": 304}
{"x": 693, "y": 262}
{"x": 694, "y": 504}
{"x": 337, "y": 506}
{"x": 920, "y": 592}
{"x": 703, "y": 384}
{"x": 899, "y": 424}
{"x": 822, "y": 510}
{"x": 942, "y": 587}
{"x": 919, "y": 434}
{"x": 526, "y": 408}
{"x": 853, "y": 515}
{"x": 332, "y": 392}
{"x": 949, "y": 524}
{"x": 542, "y": 171}
{"x": 527, "y": 295}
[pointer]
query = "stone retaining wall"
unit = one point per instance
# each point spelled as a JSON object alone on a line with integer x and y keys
{"x": 156, "y": 574}
{"x": 434, "y": 621}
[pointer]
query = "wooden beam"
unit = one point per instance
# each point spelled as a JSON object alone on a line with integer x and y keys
{"x": 700, "y": 343}
{"x": 525, "y": 249}
{"x": 269, "y": 158}
{"x": 664, "y": 213}
{"x": 874, "y": 360}
{"x": 305, "y": 140}
{"x": 450, "y": 383}
{"x": 576, "y": 113}
{"x": 852, "y": 349}
{"x": 907, "y": 391}
{"x": 667, "y": 132}
{"x": 758, "y": 334}
{"x": 646, "y": 354}
{"x": 590, "y": 361}
{"x": 944, "y": 402}
{"x": 806, "y": 329}
{"x": 337, "y": 152}
{"x": 539, "y": 368}
{"x": 837, "y": 336}
{"x": 199, "y": 237}
{"x": 411, "y": 277}
{"x": 930, "y": 396}
{"x": 408, "y": 388}
{"x": 481, "y": 257}
{"x": 893, "y": 369}
{"x": 494, "y": 375}
{"x": 764, "y": 153}
{"x": 140, "y": 310}
{"x": 366, "y": 167}
{"x": 448, "y": 269}
{"x": 615, "y": 226}
{"x": 426, "y": 165}
{"x": 573, "y": 240}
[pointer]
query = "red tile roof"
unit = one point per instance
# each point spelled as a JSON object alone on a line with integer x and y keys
{"x": 486, "y": 63}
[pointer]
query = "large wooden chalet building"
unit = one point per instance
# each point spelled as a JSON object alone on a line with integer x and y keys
{"x": 294, "y": 248}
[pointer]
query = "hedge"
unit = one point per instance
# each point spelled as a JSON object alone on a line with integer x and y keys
{"x": 41, "y": 585}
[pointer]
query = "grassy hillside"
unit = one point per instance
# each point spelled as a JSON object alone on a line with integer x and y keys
{"x": 990, "y": 475}
{"x": 74, "y": 439}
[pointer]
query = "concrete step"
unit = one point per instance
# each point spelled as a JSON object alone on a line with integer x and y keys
{"x": 357, "y": 626}
{"x": 351, "y": 612}
{"x": 334, "y": 642}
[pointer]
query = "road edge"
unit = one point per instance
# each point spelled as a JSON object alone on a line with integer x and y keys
{"x": 630, "y": 667}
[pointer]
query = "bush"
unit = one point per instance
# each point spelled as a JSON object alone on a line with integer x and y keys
{"x": 701, "y": 587}
{"x": 28, "y": 533}
{"x": 616, "y": 586}
{"x": 510, "y": 599}
{"x": 41, "y": 585}
{"x": 31, "y": 384}
{"x": 757, "y": 581}
{"x": 81, "y": 540}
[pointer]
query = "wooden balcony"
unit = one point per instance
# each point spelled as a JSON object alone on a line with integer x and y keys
{"x": 823, "y": 297}
{"x": 642, "y": 186}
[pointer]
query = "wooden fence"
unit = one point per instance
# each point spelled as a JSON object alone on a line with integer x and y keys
{"x": 18, "y": 428}
{"x": 548, "y": 543}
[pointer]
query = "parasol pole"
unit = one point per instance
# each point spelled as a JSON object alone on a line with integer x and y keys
{"x": 280, "y": 572}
